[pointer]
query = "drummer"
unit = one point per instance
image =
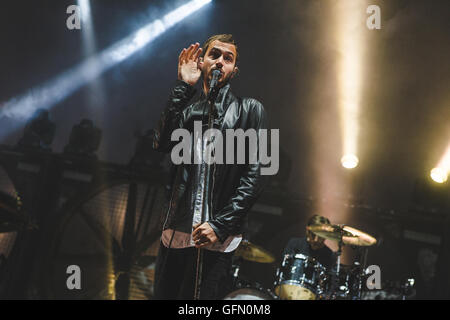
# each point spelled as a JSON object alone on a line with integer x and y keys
{"x": 312, "y": 245}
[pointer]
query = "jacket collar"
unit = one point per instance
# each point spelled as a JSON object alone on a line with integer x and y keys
{"x": 221, "y": 104}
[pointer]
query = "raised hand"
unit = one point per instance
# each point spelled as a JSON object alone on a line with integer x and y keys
{"x": 188, "y": 69}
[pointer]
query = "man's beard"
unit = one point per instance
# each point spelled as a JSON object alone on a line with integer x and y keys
{"x": 222, "y": 83}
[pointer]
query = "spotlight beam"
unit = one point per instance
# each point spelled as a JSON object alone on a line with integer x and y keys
{"x": 441, "y": 172}
{"x": 86, "y": 17}
{"x": 445, "y": 160}
{"x": 87, "y": 29}
{"x": 350, "y": 42}
{"x": 65, "y": 84}
{"x": 96, "y": 95}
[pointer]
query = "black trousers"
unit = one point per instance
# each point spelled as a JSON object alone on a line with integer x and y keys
{"x": 175, "y": 274}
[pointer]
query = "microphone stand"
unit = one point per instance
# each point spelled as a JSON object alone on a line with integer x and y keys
{"x": 212, "y": 95}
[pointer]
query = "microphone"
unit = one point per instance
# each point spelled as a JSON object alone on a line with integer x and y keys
{"x": 214, "y": 81}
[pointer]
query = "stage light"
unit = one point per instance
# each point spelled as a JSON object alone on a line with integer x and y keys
{"x": 144, "y": 154}
{"x": 39, "y": 132}
{"x": 96, "y": 97}
{"x": 344, "y": 32}
{"x": 85, "y": 8}
{"x": 442, "y": 170}
{"x": 349, "y": 161}
{"x": 84, "y": 139}
{"x": 59, "y": 88}
{"x": 350, "y": 44}
{"x": 439, "y": 175}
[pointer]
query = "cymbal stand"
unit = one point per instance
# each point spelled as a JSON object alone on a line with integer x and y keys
{"x": 360, "y": 267}
{"x": 335, "y": 275}
{"x": 339, "y": 253}
{"x": 236, "y": 268}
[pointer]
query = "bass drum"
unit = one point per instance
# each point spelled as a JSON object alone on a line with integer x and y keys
{"x": 250, "y": 294}
{"x": 300, "y": 278}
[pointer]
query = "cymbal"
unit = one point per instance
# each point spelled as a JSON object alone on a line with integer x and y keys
{"x": 349, "y": 235}
{"x": 251, "y": 252}
{"x": 359, "y": 238}
{"x": 329, "y": 231}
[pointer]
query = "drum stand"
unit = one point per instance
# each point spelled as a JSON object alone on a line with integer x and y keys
{"x": 355, "y": 275}
{"x": 360, "y": 267}
{"x": 339, "y": 253}
{"x": 235, "y": 269}
{"x": 335, "y": 275}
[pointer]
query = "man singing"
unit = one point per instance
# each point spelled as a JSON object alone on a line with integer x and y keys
{"x": 209, "y": 216}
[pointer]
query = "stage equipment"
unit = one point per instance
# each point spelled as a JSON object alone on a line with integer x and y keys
{"x": 39, "y": 132}
{"x": 251, "y": 252}
{"x": 442, "y": 170}
{"x": 84, "y": 139}
{"x": 439, "y": 175}
{"x": 341, "y": 233}
{"x": 300, "y": 278}
{"x": 144, "y": 154}
{"x": 62, "y": 86}
{"x": 349, "y": 161}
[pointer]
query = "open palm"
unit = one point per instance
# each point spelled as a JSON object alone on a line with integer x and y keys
{"x": 188, "y": 69}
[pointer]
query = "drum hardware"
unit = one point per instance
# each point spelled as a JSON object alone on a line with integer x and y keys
{"x": 243, "y": 288}
{"x": 252, "y": 293}
{"x": 299, "y": 278}
{"x": 250, "y": 252}
{"x": 392, "y": 291}
{"x": 407, "y": 288}
{"x": 235, "y": 268}
{"x": 345, "y": 284}
{"x": 346, "y": 234}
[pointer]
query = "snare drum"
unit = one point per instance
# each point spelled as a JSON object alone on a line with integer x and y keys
{"x": 299, "y": 278}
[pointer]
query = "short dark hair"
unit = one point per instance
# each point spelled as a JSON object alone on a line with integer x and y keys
{"x": 316, "y": 219}
{"x": 226, "y": 38}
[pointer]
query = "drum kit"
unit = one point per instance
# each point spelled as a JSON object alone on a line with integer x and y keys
{"x": 301, "y": 277}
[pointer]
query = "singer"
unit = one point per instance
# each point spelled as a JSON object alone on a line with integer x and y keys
{"x": 207, "y": 204}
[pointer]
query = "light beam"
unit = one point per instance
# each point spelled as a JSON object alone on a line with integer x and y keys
{"x": 65, "y": 84}
{"x": 350, "y": 41}
{"x": 442, "y": 170}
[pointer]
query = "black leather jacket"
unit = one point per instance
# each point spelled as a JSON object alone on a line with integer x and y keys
{"x": 235, "y": 187}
